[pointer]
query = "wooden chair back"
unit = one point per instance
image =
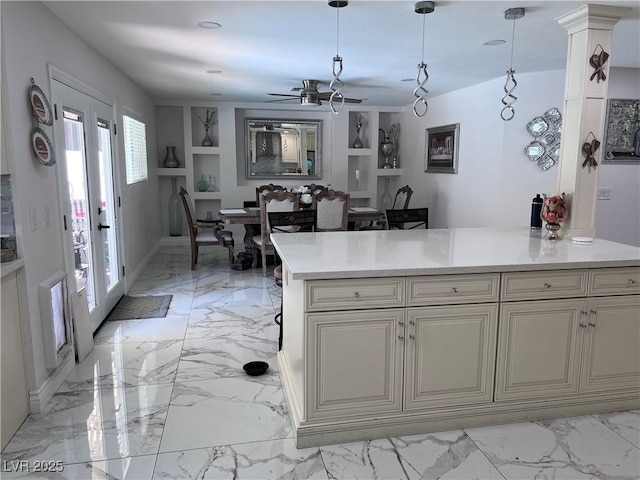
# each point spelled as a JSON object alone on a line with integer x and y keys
{"x": 408, "y": 219}
{"x": 316, "y": 189}
{"x": 264, "y": 189}
{"x": 289, "y": 222}
{"x": 403, "y": 196}
{"x": 332, "y": 211}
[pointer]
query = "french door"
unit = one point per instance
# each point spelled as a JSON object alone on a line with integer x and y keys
{"x": 85, "y": 147}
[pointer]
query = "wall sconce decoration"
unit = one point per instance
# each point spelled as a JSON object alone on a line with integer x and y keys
{"x": 546, "y": 130}
{"x": 336, "y": 84}
{"x": 422, "y": 76}
{"x": 589, "y": 151}
{"x": 41, "y": 113}
{"x": 507, "y": 112}
{"x": 597, "y": 61}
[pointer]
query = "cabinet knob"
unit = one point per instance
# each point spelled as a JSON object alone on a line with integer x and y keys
{"x": 401, "y": 323}
{"x": 547, "y": 285}
{"x": 593, "y": 312}
{"x": 583, "y": 325}
{"x": 632, "y": 281}
{"x": 356, "y": 294}
{"x": 412, "y": 337}
{"x": 412, "y": 322}
{"x": 454, "y": 290}
{"x": 591, "y": 324}
{"x": 401, "y": 338}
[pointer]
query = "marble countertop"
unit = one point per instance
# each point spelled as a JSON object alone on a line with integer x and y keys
{"x": 386, "y": 253}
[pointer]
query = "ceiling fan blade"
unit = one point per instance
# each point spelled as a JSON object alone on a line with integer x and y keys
{"x": 292, "y": 97}
{"x": 353, "y": 100}
{"x": 327, "y": 96}
{"x": 283, "y": 95}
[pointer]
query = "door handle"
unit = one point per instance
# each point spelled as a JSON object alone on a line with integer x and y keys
{"x": 101, "y": 226}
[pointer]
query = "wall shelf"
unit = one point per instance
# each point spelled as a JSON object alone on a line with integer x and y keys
{"x": 172, "y": 172}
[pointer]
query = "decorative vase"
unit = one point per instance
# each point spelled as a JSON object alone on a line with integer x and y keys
{"x": 206, "y": 141}
{"x": 385, "y": 200}
{"x": 357, "y": 143}
{"x": 394, "y": 163}
{"x": 211, "y": 188}
{"x": 553, "y": 231}
{"x": 170, "y": 159}
{"x": 387, "y": 147}
{"x": 175, "y": 210}
{"x": 202, "y": 184}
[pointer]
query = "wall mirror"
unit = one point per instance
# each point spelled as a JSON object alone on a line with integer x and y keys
{"x": 278, "y": 148}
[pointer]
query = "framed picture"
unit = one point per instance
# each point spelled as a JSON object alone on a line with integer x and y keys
{"x": 441, "y": 149}
{"x": 622, "y": 132}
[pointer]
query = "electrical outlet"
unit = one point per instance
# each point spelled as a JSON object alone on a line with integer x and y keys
{"x": 33, "y": 219}
{"x": 46, "y": 214}
{"x": 604, "y": 194}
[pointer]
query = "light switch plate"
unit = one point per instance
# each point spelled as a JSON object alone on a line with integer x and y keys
{"x": 604, "y": 194}
{"x": 33, "y": 219}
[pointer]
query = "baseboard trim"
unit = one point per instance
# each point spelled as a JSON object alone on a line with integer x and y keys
{"x": 131, "y": 278}
{"x": 39, "y": 398}
{"x": 175, "y": 241}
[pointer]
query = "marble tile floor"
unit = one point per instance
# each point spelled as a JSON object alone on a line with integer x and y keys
{"x": 167, "y": 399}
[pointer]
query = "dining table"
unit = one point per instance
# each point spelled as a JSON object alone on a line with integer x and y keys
{"x": 250, "y": 218}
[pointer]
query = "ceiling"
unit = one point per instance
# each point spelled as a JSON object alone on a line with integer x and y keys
{"x": 271, "y": 46}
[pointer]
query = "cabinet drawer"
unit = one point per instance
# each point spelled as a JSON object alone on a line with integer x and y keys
{"x": 614, "y": 281}
{"x": 354, "y": 294}
{"x": 543, "y": 285}
{"x": 452, "y": 289}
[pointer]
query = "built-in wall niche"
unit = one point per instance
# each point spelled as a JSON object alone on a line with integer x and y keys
{"x": 198, "y": 130}
{"x": 170, "y": 132}
{"x": 55, "y": 315}
{"x": 206, "y": 168}
{"x": 358, "y": 174}
{"x": 204, "y": 207}
{"x": 359, "y": 121}
{"x": 387, "y": 119}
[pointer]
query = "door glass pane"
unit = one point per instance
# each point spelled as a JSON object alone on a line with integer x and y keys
{"x": 80, "y": 219}
{"x": 107, "y": 203}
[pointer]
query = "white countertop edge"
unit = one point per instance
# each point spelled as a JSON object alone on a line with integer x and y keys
{"x": 10, "y": 267}
{"x": 408, "y": 272}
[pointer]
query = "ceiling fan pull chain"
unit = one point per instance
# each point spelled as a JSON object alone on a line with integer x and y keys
{"x": 420, "y": 92}
{"x": 507, "y": 113}
{"x": 336, "y": 86}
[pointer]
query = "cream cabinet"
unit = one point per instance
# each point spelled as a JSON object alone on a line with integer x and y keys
{"x": 450, "y": 355}
{"x": 355, "y": 362}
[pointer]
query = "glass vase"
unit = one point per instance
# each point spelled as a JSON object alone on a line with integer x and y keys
{"x": 386, "y": 200}
{"x": 170, "y": 159}
{"x": 175, "y": 210}
{"x": 203, "y": 184}
{"x": 206, "y": 141}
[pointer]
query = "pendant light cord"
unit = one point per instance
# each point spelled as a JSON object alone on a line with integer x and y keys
{"x": 337, "y": 31}
{"x": 424, "y": 21}
{"x": 513, "y": 34}
{"x": 336, "y": 100}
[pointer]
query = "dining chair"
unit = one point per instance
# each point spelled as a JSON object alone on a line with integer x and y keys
{"x": 408, "y": 219}
{"x": 201, "y": 234}
{"x": 289, "y": 222}
{"x": 403, "y": 196}
{"x": 316, "y": 189}
{"x": 264, "y": 189}
{"x": 271, "y": 202}
{"x": 332, "y": 211}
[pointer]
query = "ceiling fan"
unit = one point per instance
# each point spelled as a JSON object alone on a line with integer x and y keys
{"x": 309, "y": 95}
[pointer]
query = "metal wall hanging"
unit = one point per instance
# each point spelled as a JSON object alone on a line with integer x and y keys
{"x": 41, "y": 114}
{"x": 508, "y": 112}
{"x": 622, "y": 132}
{"x": 589, "y": 151}
{"x": 336, "y": 100}
{"x": 422, "y": 77}
{"x": 597, "y": 61}
{"x": 546, "y": 130}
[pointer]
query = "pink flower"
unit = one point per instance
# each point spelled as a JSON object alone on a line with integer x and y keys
{"x": 554, "y": 209}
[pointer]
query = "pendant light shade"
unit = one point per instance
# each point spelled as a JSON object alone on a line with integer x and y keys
{"x": 336, "y": 100}
{"x": 508, "y": 112}
{"x": 420, "y": 105}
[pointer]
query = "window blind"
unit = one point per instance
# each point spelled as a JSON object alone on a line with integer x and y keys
{"x": 135, "y": 146}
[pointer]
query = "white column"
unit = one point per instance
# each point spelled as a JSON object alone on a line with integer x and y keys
{"x": 584, "y": 110}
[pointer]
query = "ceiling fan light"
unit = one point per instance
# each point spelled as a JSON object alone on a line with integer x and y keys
{"x": 310, "y": 101}
{"x": 209, "y": 25}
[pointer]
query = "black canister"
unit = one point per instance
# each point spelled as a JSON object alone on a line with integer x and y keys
{"x": 536, "y": 209}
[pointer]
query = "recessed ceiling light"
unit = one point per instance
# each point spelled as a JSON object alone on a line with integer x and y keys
{"x": 210, "y": 25}
{"x": 216, "y": 94}
{"x": 407, "y": 80}
{"x": 493, "y": 43}
{"x": 214, "y": 71}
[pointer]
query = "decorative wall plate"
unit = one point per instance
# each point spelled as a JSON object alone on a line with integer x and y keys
{"x": 546, "y": 130}
{"x": 43, "y": 148}
{"x": 534, "y": 151}
{"x": 537, "y": 126}
{"x": 40, "y": 105}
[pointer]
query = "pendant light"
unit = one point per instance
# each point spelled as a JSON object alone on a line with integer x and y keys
{"x": 507, "y": 112}
{"x": 336, "y": 100}
{"x": 422, "y": 77}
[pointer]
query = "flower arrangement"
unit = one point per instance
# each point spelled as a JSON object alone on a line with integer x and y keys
{"x": 554, "y": 209}
{"x": 305, "y": 194}
{"x": 209, "y": 119}
{"x": 357, "y": 121}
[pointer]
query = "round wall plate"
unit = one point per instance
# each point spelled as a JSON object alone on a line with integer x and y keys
{"x": 40, "y": 105}
{"x": 43, "y": 148}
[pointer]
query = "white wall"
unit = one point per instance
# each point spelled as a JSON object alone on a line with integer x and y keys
{"x": 32, "y": 38}
{"x": 618, "y": 219}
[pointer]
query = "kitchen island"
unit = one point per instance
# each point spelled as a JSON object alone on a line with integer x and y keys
{"x": 392, "y": 333}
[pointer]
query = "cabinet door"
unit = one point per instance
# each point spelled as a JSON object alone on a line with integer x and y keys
{"x": 611, "y": 357}
{"x": 450, "y": 355}
{"x": 354, "y": 362}
{"x": 539, "y": 349}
